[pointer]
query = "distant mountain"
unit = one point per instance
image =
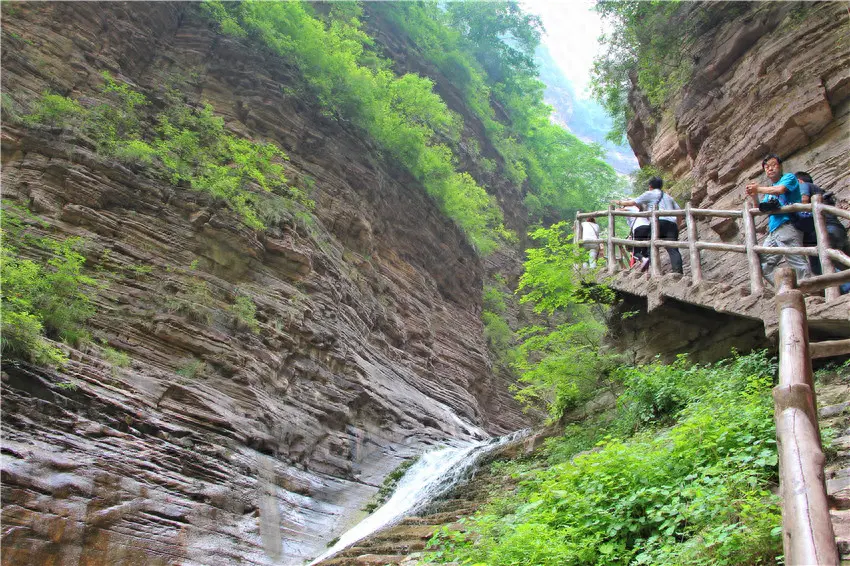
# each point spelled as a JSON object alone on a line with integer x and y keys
{"x": 584, "y": 118}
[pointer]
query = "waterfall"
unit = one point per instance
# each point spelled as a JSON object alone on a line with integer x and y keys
{"x": 433, "y": 475}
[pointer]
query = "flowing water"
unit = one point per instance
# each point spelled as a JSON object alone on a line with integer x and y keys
{"x": 434, "y": 474}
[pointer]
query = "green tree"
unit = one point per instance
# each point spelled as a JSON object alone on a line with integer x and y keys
{"x": 41, "y": 300}
{"x": 402, "y": 113}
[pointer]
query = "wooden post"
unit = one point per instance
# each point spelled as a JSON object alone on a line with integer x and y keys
{"x": 808, "y": 537}
{"x": 654, "y": 268}
{"x": 612, "y": 261}
{"x": 753, "y": 260}
{"x": 696, "y": 266}
{"x": 577, "y": 229}
{"x": 831, "y": 293}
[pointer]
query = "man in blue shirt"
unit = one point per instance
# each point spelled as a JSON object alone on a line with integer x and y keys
{"x": 781, "y": 231}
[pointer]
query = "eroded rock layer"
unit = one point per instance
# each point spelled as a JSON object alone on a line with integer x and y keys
{"x": 219, "y": 444}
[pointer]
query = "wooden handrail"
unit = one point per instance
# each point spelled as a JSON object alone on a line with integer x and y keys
{"x": 829, "y": 257}
{"x": 808, "y": 536}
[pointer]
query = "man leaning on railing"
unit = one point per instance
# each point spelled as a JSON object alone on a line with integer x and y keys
{"x": 781, "y": 231}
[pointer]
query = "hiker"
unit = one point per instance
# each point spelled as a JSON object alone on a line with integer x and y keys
{"x": 590, "y": 231}
{"x": 784, "y": 190}
{"x": 668, "y": 227}
{"x": 638, "y": 230}
{"x": 806, "y": 224}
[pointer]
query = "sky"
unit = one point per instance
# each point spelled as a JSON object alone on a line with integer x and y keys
{"x": 572, "y": 33}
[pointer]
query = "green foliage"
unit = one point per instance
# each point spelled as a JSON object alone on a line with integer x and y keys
{"x": 564, "y": 367}
{"x": 499, "y": 336}
{"x": 56, "y": 111}
{"x": 188, "y": 146}
{"x": 561, "y": 366}
{"x": 552, "y": 279}
{"x": 192, "y": 369}
{"x": 10, "y": 112}
{"x": 402, "y": 113}
{"x": 194, "y": 302}
{"x": 497, "y": 331}
{"x": 649, "y": 45}
{"x": 244, "y": 313}
{"x": 116, "y": 358}
{"x": 493, "y": 299}
{"x": 41, "y": 300}
{"x": 486, "y": 49}
{"x": 697, "y": 493}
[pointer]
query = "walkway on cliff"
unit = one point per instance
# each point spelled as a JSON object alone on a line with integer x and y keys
{"x": 815, "y": 488}
{"x": 826, "y": 317}
{"x": 827, "y": 312}
{"x": 814, "y": 521}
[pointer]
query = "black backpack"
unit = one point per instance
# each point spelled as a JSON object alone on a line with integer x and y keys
{"x": 803, "y": 221}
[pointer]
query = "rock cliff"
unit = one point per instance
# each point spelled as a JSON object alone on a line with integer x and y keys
{"x": 775, "y": 77}
{"x": 219, "y": 444}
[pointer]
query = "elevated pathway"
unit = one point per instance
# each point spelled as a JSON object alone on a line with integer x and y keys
{"x": 814, "y": 523}
{"x": 825, "y": 317}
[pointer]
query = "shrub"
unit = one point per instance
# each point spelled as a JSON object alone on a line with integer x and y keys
{"x": 194, "y": 302}
{"x": 116, "y": 358}
{"x": 192, "y": 369}
{"x": 700, "y": 492}
{"x": 244, "y": 312}
{"x": 57, "y": 111}
{"x": 40, "y": 301}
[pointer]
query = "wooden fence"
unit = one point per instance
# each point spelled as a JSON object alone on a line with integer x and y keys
{"x": 808, "y": 536}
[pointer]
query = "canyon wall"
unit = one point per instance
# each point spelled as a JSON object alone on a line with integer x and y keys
{"x": 218, "y": 443}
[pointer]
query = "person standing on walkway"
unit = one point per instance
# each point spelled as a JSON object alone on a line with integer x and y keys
{"x": 784, "y": 190}
{"x": 835, "y": 231}
{"x": 668, "y": 227}
{"x": 590, "y": 231}
{"x": 638, "y": 230}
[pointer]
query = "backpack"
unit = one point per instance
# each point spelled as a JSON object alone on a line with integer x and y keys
{"x": 804, "y": 221}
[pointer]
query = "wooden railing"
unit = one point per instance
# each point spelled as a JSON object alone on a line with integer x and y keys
{"x": 808, "y": 536}
{"x": 828, "y": 257}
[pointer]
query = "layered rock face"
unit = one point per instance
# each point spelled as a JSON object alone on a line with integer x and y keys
{"x": 775, "y": 77}
{"x": 220, "y": 444}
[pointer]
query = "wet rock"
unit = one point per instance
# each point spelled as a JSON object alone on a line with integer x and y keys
{"x": 226, "y": 441}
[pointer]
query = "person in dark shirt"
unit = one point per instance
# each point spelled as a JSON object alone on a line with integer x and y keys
{"x": 834, "y": 229}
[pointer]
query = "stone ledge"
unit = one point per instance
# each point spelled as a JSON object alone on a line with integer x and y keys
{"x": 831, "y": 317}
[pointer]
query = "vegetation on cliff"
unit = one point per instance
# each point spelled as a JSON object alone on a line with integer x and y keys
{"x": 182, "y": 144}
{"x": 401, "y": 113}
{"x": 41, "y": 299}
{"x": 486, "y": 51}
{"x": 648, "y": 47}
{"x": 46, "y": 294}
{"x": 683, "y": 472}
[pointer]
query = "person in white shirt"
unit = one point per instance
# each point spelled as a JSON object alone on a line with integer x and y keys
{"x": 668, "y": 226}
{"x": 590, "y": 231}
{"x": 638, "y": 230}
